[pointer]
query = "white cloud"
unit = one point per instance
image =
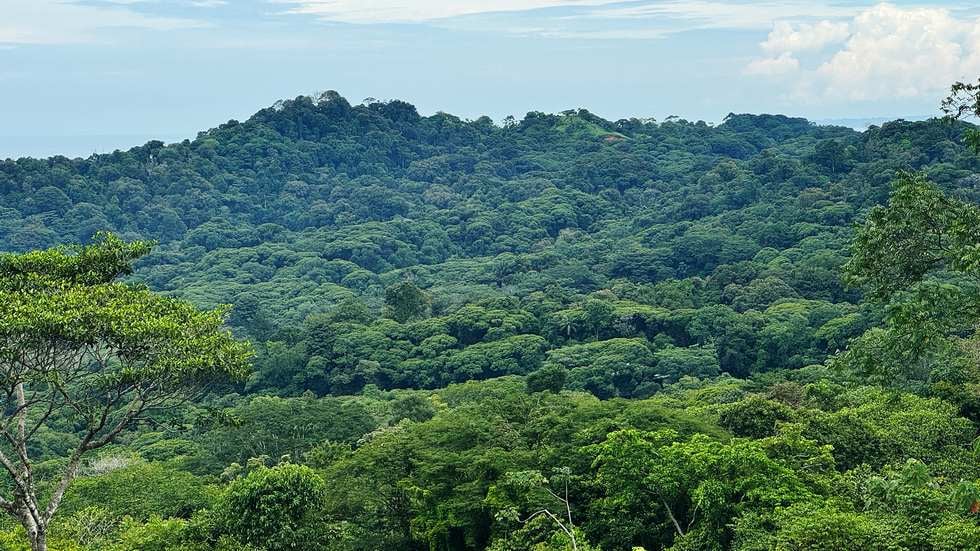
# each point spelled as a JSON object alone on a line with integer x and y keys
{"x": 413, "y": 11}
{"x": 726, "y": 15}
{"x": 784, "y": 64}
{"x": 63, "y": 22}
{"x": 657, "y": 19}
{"x": 786, "y": 37}
{"x": 595, "y": 19}
{"x": 887, "y": 52}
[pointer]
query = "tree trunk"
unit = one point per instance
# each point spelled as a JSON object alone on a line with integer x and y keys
{"x": 39, "y": 539}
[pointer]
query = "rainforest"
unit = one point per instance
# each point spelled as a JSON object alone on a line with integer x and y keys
{"x": 347, "y": 326}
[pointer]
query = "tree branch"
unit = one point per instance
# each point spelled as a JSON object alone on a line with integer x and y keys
{"x": 673, "y": 519}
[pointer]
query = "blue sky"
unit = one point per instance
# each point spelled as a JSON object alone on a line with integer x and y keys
{"x": 90, "y": 75}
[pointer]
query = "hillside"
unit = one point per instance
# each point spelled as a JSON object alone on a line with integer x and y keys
{"x": 444, "y": 309}
{"x": 312, "y": 203}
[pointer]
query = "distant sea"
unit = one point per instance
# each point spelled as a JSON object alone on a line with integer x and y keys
{"x": 13, "y": 147}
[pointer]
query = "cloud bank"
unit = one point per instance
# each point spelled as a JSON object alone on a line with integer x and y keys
{"x": 883, "y": 52}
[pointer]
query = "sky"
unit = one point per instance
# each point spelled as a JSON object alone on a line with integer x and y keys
{"x": 84, "y": 76}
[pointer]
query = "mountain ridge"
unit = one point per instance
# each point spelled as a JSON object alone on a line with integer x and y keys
{"x": 328, "y": 96}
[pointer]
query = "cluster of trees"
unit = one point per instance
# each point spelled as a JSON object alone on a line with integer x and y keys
{"x": 316, "y": 200}
{"x": 805, "y": 460}
{"x": 627, "y": 341}
{"x": 708, "y": 248}
{"x": 559, "y": 333}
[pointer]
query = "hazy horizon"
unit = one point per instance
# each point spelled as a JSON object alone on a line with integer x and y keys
{"x": 85, "y": 144}
{"x": 152, "y": 68}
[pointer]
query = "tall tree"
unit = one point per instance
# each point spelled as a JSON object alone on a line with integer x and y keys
{"x": 964, "y": 102}
{"x": 919, "y": 257}
{"x": 80, "y": 347}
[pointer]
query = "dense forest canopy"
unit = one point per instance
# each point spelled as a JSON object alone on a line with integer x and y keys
{"x": 555, "y": 333}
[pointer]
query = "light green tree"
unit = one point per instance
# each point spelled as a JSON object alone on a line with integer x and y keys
{"x": 272, "y": 508}
{"x": 78, "y": 346}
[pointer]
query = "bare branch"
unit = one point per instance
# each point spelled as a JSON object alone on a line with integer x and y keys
{"x": 554, "y": 519}
{"x": 673, "y": 519}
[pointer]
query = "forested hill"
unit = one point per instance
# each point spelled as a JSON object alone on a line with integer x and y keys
{"x": 550, "y": 230}
{"x": 457, "y": 323}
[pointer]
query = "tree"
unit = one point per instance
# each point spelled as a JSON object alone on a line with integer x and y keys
{"x": 807, "y": 527}
{"x": 598, "y": 314}
{"x": 271, "y": 507}
{"x": 250, "y": 315}
{"x": 405, "y": 301}
{"x": 79, "y": 347}
{"x": 49, "y": 199}
{"x": 921, "y": 230}
{"x": 831, "y": 155}
{"x": 755, "y": 417}
{"x": 551, "y": 378}
{"x": 616, "y": 367}
{"x": 517, "y": 492}
{"x": 919, "y": 258}
{"x": 413, "y": 407}
{"x": 963, "y": 102}
{"x": 673, "y": 362}
{"x": 701, "y": 484}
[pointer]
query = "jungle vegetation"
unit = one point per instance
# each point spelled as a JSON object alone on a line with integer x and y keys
{"x": 352, "y": 327}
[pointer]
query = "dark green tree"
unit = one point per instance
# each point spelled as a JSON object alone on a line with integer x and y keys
{"x": 405, "y": 301}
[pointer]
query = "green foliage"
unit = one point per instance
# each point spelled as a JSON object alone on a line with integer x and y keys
{"x": 71, "y": 302}
{"x": 550, "y": 378}
{"x": 804, "y": 527}
{"x": 754, "y": 417}
{"x": 920, "y": 231}
{"x": 156, "y": 534}
{"x": 404, "y": 301}
{"x": 272, "y": 508}
{"x": 81, "y": 351}
{"x": 139, "y": 491}
{"x": 878, "y": 427}
{"x": 617, "y": 367}
{"x": 271, "y": 426}
{"x": 964, "y": 102}
{"x": 918, "y": 257}
{"x": 412, "y": 407}
{"x": 694, "y": 488}
{"x": 107, "y": 258}
{"x": 556, "y": 333}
